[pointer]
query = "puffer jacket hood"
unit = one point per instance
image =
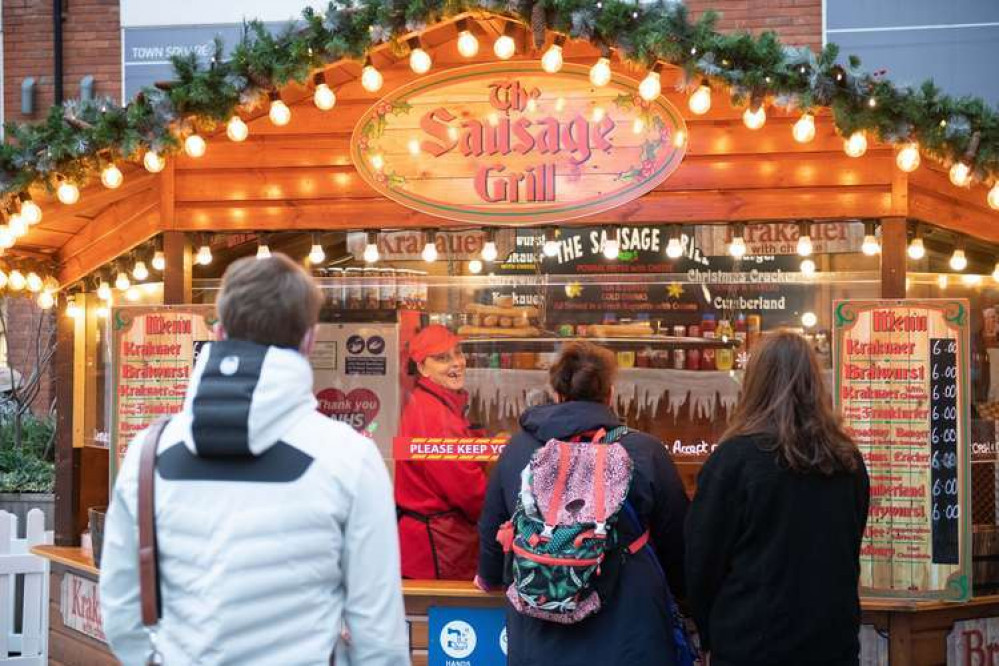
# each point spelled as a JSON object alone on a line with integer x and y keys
{"x": 565, "y": 419}
{"x": 243, "y": 397}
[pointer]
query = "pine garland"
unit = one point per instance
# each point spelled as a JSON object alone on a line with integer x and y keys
{"x": 78, "y": 138}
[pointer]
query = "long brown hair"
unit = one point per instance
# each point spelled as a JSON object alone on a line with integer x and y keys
{"x": 784, "y": 396}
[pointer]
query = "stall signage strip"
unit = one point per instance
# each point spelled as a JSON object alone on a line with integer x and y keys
{"x": 901, "y": 387}
{"x": 81, "y": 606}
{"x": 510, "y": 143}
{"x": 152, "y": 357}
{"x": 449, "y": 449}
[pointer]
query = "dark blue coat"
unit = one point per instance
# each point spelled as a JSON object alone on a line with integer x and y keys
{"x": 634, "y": 627}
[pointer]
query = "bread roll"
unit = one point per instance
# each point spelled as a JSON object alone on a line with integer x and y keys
{"x": 482, "y": 331}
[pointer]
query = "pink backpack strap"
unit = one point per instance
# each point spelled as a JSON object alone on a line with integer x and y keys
{"x": 600, "y": 487}
{"x": 551, "y": 516}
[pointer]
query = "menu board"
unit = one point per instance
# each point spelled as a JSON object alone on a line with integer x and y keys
{"x": 153, "y": 349}
{"x": 902, "y": 390}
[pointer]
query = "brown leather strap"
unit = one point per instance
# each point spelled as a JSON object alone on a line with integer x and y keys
{"x": 149, "y": 580}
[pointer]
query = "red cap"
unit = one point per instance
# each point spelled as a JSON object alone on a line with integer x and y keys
{"x": 431, "y": 340}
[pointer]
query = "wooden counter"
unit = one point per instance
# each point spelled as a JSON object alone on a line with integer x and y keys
{"x": 917, "y": 630}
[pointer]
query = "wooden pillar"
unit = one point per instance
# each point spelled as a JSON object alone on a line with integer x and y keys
{"x": 177, "y": 274}
{"x": 894, "y": 243}
{"x": 900, "y": 638}
{"x": 67, "y": 457}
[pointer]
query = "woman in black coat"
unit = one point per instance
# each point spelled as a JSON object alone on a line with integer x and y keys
{"x": 634, "y": 626}
{"x": 773, "y": 534}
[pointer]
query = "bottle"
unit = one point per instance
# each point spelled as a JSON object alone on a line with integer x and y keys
{"x": 740, "y": 331}
{"x": 754, "y": 329}
{"x": 708, "y": 330}
{"x": 724, "y": 356}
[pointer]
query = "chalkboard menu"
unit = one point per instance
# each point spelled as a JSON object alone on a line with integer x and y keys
{"x": 901, "y": 388}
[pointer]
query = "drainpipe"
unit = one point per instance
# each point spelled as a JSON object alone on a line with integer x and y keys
{"x": 57, "y": 49}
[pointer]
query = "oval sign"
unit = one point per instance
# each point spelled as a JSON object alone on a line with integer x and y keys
{"x": 510, "y": 143}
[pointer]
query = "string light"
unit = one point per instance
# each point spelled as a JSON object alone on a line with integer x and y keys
{"x": 958, "y": 260}
{"x": 139, "y": 271}
{"x": 263, "y": 249}
{"x": 960, "y": 174}
{"x": 551, "y": 61}
{"x": 153, "y": 162}
{"x": 30, "y": 211}
{"x": 916, "y": 249}
{"x": 371, "y": 254}
{"x": 651, "y": 86}
{"x": 73, "y": 310}
{"x": 236, "y": 129}
{"x": 856, "y": 145}
{"x": 600, "y": 73}
{"x": 737, "y": 248}
{"x": 195, "y": 146}
{"x": 612, "y": 246}
{"x": 700, "y": 101}
{"x": 16, "y": 280}
{"x": 33, "y": 282}
{"x": 808, "y": 320}
{"x": 419, "y": 60}
{"x": 121, "y": 281}
{"x": 468, "y": 45}
{"x": 46, "y": 300}
{"x": 371, "y": 78}
{"x": 870, "y": 246}
{"x": 908, "y": 157}
{"x": 111, "y": 177}
{"x": 204, "y": 255}
{"x": 807, "y": 268}
{"x": 17, "y": 226}
{"x": 504, "y": 47}
{"x": 279, "y": 113}
{"x": 159, "y": 261}
{"x": 804, "y": 239}
{"x": 489, "y": 251}
{"x": 804, "y": 130}
{"x": 756, "y": 118}
{"x": 7, "y": 239}
{"x": 324, "y": 98}
{"x": 993, "y": 197}
{"x": 429, "y": 252}
{"x": 68, "y": 193}
{"x": 316, "y": 253}
{"x": 474, "y": 266}
{"x": 550, "y": 246}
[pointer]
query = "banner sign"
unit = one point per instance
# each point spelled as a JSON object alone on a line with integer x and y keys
{"x": 508, "y": 142}
{"x": 80, "y": 601}
{"x": 902, "y": 390}
{"x": 974, "y": 643}
{"x": 776, "y": 238}
{"x": 450, "y": 449}
{"x": 467, "y": 637}
{"x": 153, "y": 349}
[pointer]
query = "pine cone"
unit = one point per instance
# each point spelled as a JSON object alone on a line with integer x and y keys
{"x": 538, "y": 23}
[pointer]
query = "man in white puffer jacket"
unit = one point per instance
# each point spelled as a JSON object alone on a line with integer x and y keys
{"x": 275, "y": 525}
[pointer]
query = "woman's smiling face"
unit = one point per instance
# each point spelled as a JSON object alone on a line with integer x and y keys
{"x": 446, "y": 368}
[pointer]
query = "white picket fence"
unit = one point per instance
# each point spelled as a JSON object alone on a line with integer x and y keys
{"x": 30, "y": 647}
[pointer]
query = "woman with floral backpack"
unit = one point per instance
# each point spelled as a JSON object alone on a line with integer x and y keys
{"x": 583, "y": 520}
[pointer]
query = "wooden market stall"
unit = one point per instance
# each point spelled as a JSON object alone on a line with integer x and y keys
{"x": 300, "y": 177}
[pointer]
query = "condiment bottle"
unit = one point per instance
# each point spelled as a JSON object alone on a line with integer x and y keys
{"x": 724, "y": 356}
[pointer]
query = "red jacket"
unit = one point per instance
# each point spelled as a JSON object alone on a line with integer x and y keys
{"x": 439, "y": 502}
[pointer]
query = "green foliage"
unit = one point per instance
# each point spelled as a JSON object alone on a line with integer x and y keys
{"x": 28, "y": 467}
{"x": 77, "y": 138}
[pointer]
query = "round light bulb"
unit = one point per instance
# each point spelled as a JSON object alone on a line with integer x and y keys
{"x": 324, "y": 98}
{"x": 737, "y": 248}
{"x": 72, "y": 309}
{"x": 468, "y": 44}
{"x": 804, "y": 130}
{"x": 700, "y": 102}
{"x": 804, "y": 245}
{"x": 68, "y": 192}
{"x": 371, "y": 254}
{"x": 279, "y": 114}
{"x": 475, "y": 267}
{"x": 6, "y": 237}
{"x": 33, "y": 282}
{"x": 236, "y": 129}
{"x": 754, "y": 120}
{"x": 263, "y": 251}
{"x": 16, "y": 281}
{"x": 153, "y": 162}
{"x": 195, "y": 145}
{"x": 600, "y": 73}
{"x": 960, "y": 174}
{"x": 111, "y": 177}
{"x": 807, "y": 268}
{"x": 650, "y": 87}
{"x": 121, "y": 281}
{"x": 316, "y": 254}
{"x": 140, "y": 272}
{"x": 870, "y": 246}
{"x": 673, "y": 248}
{"x": 31, "y": 212}
{"x": 551, "y": 61}
{"x": 429, "y": 253}
{"x": 489, "y": 251}
{"x": 550, "y": 248}
{"x": 809, "y": 319}
{"x": 204, "y": 256}
{"x": 18, "y": 227}
{"x": 104, "y": 291}
{"x": 419, "y": 61}
{"x": 856, "y": 145}
{"x": 159, "y": 261}
{"x": 916, "y": 249}
{"x": 958, "y": 261}
{"x": 993, "y": 197}
{"x": 371, "y": 79}
{"x": 46, "y": 300}
{"x": 504, "y": 47}
{"x": 612, "y": 248}
{"x": 908, "y": 157}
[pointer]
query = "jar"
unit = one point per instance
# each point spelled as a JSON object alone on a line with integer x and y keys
{"x": 354, "y": 288}
{"x": 369, "y": 288}
{"x": 644, "y": 358}
{"x": 406, "y": 296}
{"x": 708, "y": 326}
{"x": 626, "y": 359}
{"x": 693, "y": 359}
{"x": 387, "y": 289}
{"x": 422, "y": 290}
{"x": 335, "y": 290}
{"x": 679, "y": 359}
{"x": 708, "y": 358}
{"x": 661, "y": 359}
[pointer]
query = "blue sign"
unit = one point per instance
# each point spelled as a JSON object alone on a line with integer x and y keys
{"x": 467, "y": 637}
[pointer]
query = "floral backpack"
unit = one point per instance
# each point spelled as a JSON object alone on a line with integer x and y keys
{"x": 563, "y": 531}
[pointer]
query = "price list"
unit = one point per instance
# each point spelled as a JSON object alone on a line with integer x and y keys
{"x": 943, "y": 441}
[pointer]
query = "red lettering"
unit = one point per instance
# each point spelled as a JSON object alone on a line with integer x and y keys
{"x": 482, "y": 183}
{"x": 973, "y": 651}
{"x": 435, "y": 124}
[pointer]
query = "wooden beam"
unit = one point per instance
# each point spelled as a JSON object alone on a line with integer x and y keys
{"x": 894, "y": 242}
{"x": 167, "y": 189}
{"x": 115, "y": 240}
{"x": 93, "y": 201}
{"x": 67, "y": 461}
{"x": 97, "y": 230}
{"x": 177, "y": 274}
{"x": 934, "y": 207}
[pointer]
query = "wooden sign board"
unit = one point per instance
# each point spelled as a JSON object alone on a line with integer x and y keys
{"x": 510, "y": 143}
{"x": 901, "y": 385}
{"x": 153, "y": 349}
{"x": 80, "y": 601}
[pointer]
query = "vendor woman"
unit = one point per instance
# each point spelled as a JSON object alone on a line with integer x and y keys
{"x": 438, "y": 502}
